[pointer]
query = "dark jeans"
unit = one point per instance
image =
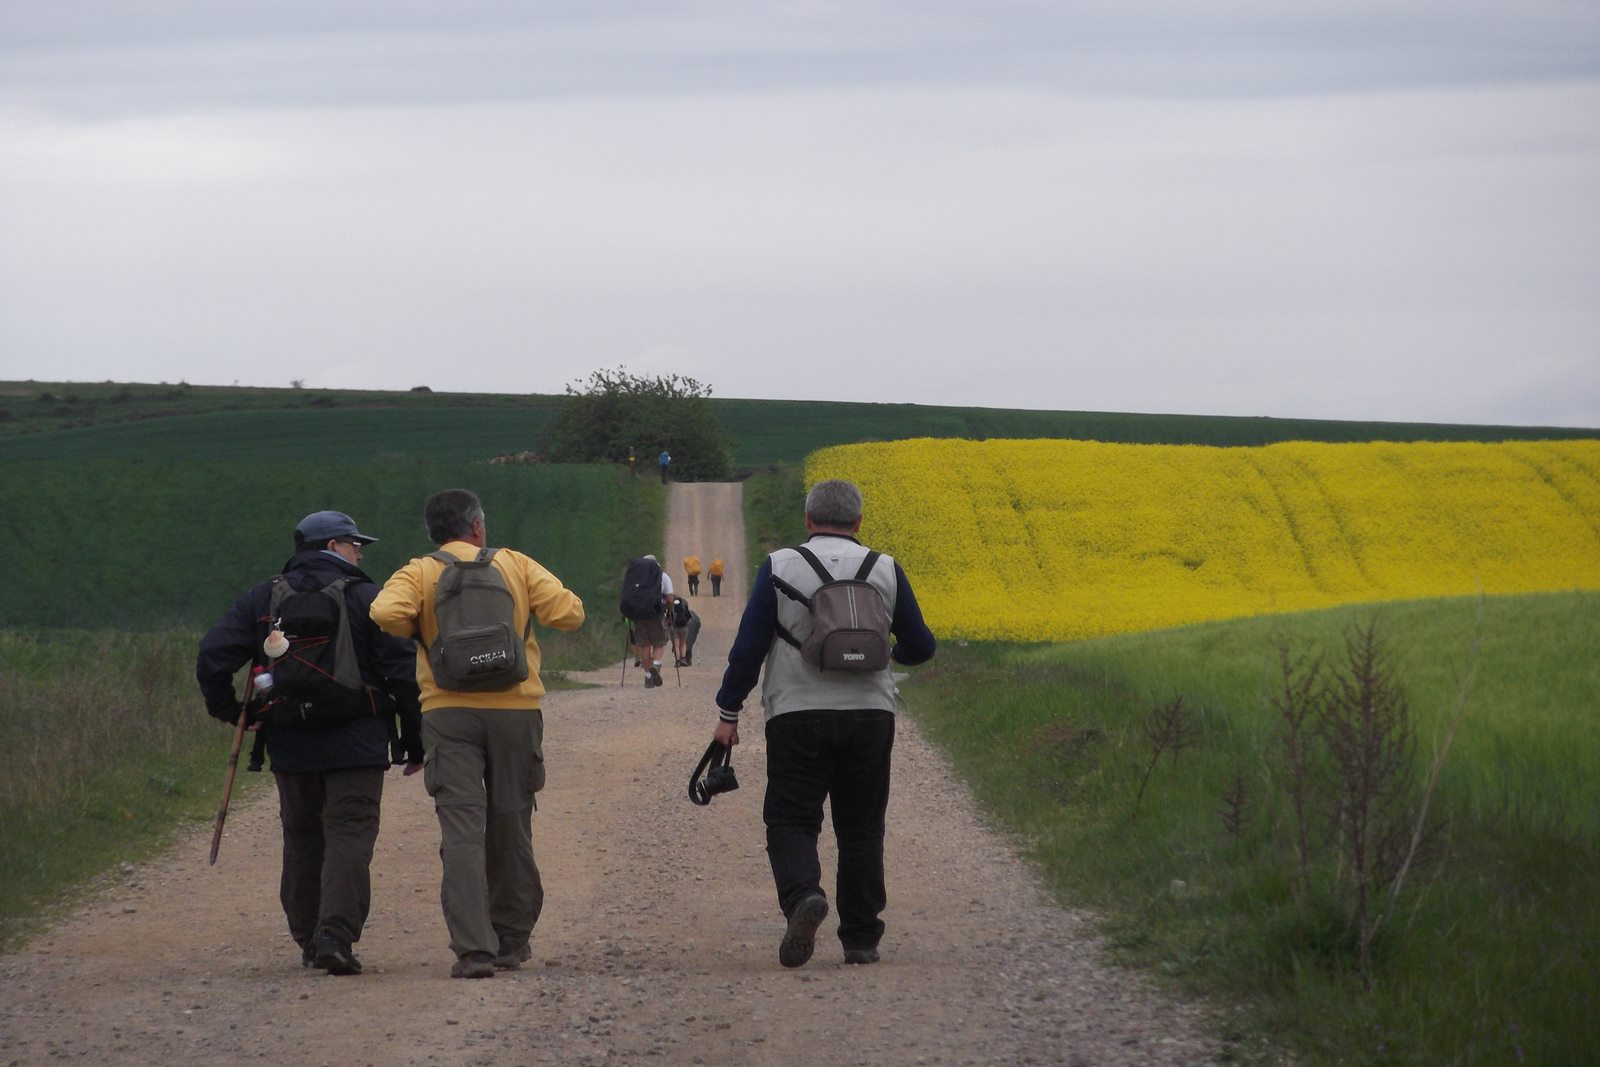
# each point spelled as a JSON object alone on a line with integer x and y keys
{"x": 842, "y": 756}
{"x": 330, "y": 825}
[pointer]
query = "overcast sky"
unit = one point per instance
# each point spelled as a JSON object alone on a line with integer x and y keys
{"x": 1331, "y": 208}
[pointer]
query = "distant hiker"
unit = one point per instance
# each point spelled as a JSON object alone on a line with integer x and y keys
{"x": 481, "y": 721}
{"x": 633, "y": 459}
{"x": 665, "y": 460}
{"x": 829, "y": 732}
{"x": 328, "y": 718}
{"x": 716, "y": 577}
{"x": 682, "y": 617}
{"x": 646, "y": 594}
{"x": 691, "y": 570}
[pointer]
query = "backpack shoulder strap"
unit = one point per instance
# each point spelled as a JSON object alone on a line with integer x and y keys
{"x": 816, "y": 564}
{"x": 868, "y": 563}
{"x": 793, "y": 594}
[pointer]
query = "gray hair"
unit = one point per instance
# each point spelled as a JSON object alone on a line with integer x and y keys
{"x": 835, "y": 502}
{"x": 450, "y": 514}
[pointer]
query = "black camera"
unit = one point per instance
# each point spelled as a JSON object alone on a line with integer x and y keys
{"x": 720, "y": 780}
{"x": 717, "y": 766}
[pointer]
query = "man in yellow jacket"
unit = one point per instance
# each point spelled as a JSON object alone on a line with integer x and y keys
{"x": 485, "y": 749}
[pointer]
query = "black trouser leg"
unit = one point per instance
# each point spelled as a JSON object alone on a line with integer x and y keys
{"x": 300, "y": 883}
{"x": 860, "y": 799}
{"x": 353, "y": 798}
{"x": 797, "y": 782}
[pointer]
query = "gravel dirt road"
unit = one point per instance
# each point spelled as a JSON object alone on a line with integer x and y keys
{"x": 659, "y": 937}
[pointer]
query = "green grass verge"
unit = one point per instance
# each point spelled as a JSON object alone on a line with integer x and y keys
{"x": 1483, "y": 961}
{"x": 107, "y": 749}
{"x": 774, "y": 510}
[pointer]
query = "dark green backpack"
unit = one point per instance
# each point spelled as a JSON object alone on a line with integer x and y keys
{"x": 316, "y": 683}
{"x": 479, "y": 647}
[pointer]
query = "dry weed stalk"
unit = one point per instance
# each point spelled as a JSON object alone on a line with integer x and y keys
{"x": 1237, "y": 804}
{"x": 1366, "y": 726}
{"x": 1299, "y": 702}
{"x": 1170, "y": 728}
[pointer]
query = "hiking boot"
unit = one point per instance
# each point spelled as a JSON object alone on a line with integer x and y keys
{"x": 688, "y": 661}
{"x": 335, "y": 957}
{"x": 861, "y": 955}
{"x": 800, "y": 938}
{"x": 308, "y": 955}
{"x": 474, "y": 965}
{"x": 513, "y": 955}
{"x": 655, "y": 676}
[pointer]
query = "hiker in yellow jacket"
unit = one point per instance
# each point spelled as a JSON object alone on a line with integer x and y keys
{"x": 484, "y": 750}
{"x": 691, "y": 570}
{"x": 716, "y": 577}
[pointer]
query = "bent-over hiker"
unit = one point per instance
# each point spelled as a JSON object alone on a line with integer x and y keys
{"x": 829, "y": 732}
{"x": 485, "y": 746}
{"x": 329, "y": 744}
{"x": 643, "y": 603}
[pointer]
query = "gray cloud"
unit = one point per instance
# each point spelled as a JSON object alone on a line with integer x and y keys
{"x": 1351, "y": 211}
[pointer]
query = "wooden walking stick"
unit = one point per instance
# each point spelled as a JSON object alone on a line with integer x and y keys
{"x": 233, "y": 765}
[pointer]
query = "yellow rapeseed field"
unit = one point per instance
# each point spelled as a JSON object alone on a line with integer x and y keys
{"x": 1055, "y": 540}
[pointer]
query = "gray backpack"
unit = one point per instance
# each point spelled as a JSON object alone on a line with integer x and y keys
{"x": 479, "y": 647}
{"x": 849, "y": 620}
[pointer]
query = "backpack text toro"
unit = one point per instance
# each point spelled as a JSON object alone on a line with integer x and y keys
{"x": 849, "y": 620}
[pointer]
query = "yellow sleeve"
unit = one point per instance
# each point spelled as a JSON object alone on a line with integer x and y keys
{"x": 399, "y": 603}
{"x": 552, "y": 603}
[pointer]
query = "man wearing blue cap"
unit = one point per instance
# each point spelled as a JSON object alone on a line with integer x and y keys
{"x": 328, "y": 719}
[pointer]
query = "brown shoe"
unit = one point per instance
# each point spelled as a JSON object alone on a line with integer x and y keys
{"x": 473, "y": 965}
{"x": 513, "y": 956}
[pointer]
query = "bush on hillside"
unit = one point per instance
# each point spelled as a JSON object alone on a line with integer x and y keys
{"x": 613, "y": 411}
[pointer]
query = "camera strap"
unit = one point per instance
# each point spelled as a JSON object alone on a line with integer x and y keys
{"x": 717, "y": 755}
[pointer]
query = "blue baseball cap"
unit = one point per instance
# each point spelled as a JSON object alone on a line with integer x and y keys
{"x": 320, "y": 527}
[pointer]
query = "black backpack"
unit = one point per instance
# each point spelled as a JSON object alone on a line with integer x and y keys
{"x": 680, "y": 613}
{"x": 317, "y": 683}
{"x": 478, "y": 647}
{"x": 641, "y": 590}
{"x": 849, "y": 620}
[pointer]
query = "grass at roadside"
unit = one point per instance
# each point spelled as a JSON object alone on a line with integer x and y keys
{"x": 774, "y": 506}
{"x": 107, "y": 749}
{"x": 1483, "y": 959}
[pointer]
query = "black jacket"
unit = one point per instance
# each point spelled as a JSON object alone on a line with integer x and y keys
{"x": 387, "y": 663}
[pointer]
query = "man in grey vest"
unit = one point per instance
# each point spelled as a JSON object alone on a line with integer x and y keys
{"x": 829, "y": 733}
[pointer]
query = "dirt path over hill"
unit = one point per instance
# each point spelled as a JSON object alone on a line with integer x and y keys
{"x": 659, "y": 937}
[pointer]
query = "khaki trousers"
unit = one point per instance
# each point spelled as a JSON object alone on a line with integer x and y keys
{"x": 482, "y": 769}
